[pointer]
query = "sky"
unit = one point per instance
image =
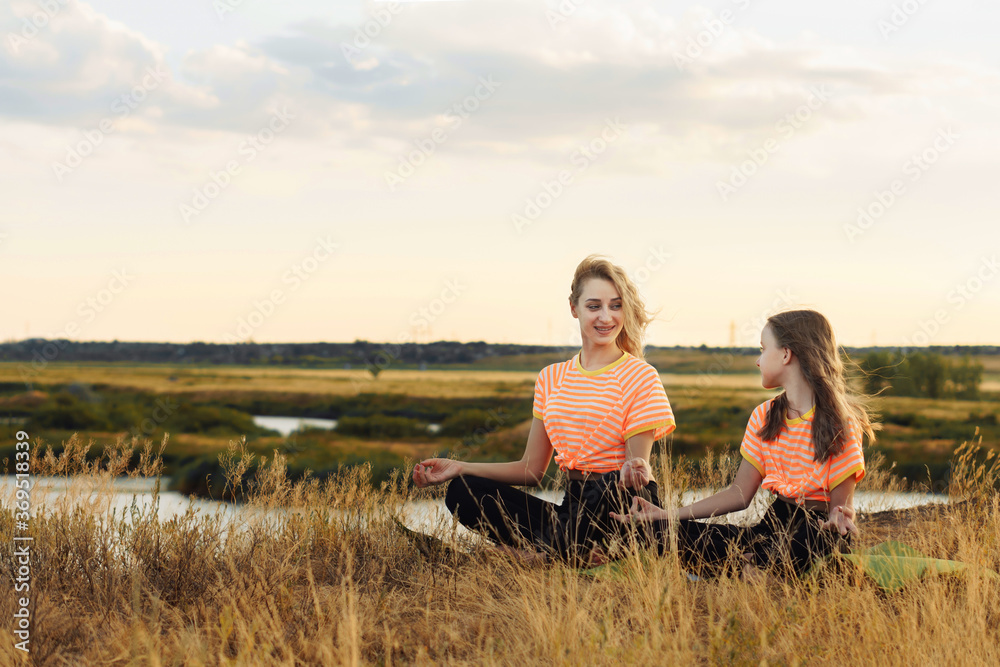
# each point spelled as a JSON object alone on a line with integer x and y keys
{"x": 238, "y": 170}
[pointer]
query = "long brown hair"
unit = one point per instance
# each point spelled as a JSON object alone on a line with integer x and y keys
{"x": 810, "y": 338}
{"x": 635, "y": 318}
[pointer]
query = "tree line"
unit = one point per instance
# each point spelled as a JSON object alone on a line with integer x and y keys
{"x": 925, "y": 374}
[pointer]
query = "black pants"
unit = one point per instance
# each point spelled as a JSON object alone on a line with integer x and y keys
{"x": 569, "y": 530}
{"x": 788, "y": 538}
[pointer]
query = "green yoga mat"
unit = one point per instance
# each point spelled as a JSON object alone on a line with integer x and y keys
{"x": 891, "y": 565}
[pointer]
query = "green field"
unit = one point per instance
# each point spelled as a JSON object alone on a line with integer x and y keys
{"x": 484, "y": 414}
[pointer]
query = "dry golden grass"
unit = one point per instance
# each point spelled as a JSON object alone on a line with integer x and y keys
{"x": 331, "y": 580}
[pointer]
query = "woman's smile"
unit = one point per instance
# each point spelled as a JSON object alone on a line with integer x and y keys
{"x": 599, "y": 310}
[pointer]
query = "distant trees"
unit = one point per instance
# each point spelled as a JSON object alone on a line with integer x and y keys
{"x": 925, "y": 374}
{"x": 137, "y": 413}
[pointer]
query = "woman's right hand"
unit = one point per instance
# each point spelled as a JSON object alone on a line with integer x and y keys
{"x": 641, "y": 511}
{"x": 635, "y": 474}
{"x": 435, "y": 471}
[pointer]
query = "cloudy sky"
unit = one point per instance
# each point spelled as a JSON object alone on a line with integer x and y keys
{"x": 238, "y": 170}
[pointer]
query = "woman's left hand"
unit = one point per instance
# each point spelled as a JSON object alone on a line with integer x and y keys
{"x": 841, "y": 519}
{"x": 635, "y": 474}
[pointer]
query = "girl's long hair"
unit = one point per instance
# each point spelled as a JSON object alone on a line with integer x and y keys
{"x": 635, "y": 319}
{"x": 810, "y": 338}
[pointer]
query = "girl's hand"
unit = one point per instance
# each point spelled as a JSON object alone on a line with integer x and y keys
{"x": 641, "y": 511}
{"x": 841, "y": 519}
{"x": 635, "y": 474}
{"x": 435, "y": 471}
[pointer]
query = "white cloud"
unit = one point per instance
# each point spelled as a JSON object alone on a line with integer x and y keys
{"x": 606, "y": 59}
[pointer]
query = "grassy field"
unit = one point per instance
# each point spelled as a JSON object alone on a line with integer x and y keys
{"x": 338, "y": 382}
{"x": 436, "y": 383}
{"x": 215, "y": 404}
{"x": 334, "y": 580}
{"x": 324, "y": 382}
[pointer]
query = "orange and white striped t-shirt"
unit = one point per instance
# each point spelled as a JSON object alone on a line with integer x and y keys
{"x": 588, "y": 415}
{"x": 788, "y": 464}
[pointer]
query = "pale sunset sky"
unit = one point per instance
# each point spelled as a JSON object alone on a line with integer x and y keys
{"x": 329, "y": 171}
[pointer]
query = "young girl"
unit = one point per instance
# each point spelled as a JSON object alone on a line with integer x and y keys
{"x": 600, "y": 412}
{"x": 804, "y": 446}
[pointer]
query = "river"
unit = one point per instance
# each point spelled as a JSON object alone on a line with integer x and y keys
{"x": 429, "y": 516}
{"x": 288, "y": 425}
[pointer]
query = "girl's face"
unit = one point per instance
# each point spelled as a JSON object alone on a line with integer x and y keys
{"x": 599, "y": 310}
{"x": 771, "y": 360}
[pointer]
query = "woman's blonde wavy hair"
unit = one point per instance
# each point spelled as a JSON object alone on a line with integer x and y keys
{"x": 635, "y": 319}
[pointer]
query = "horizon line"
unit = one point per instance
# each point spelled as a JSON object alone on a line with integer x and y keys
{"x": 472, "y": 342}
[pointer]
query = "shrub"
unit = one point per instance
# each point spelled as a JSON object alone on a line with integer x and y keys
{"x": 925, "y": 374}
{"x": 64, "y": 410}
{"x": 381, "y": 426}
{"x": 465, "y": 422}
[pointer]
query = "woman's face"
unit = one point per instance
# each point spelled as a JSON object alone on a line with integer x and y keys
{"x": 599, "y": 310}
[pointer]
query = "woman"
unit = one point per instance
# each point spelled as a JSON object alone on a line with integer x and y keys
{"x": 599, "y": 412}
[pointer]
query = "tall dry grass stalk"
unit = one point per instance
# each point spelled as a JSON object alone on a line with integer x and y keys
{"x": 319, "y": 573}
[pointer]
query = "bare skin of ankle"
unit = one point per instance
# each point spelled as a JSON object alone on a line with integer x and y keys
{"x": 750, "y": 573}
{"x": 597, "y": 557}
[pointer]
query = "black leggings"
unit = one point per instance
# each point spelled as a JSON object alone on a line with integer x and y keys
{"x": 569, "y": 531}
{"x": 788, "y": 537}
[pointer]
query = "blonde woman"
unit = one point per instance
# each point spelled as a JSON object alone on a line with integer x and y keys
{"x": 599, "y": 413}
